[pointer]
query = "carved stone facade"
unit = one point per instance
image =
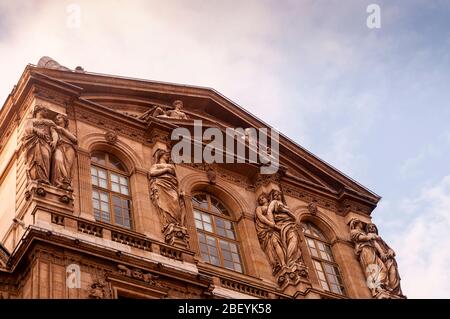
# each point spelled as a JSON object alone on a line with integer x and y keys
{"x": 93, "y": 207}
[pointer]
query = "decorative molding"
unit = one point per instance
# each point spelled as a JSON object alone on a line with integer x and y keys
{"x": 227, "y": 175}
{"x": 244, "y": 288}
{"x": 139, "y": 274}
{"x": 109, "y": 124}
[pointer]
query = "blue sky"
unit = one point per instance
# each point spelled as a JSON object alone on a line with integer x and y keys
{"x": 372, "y": 102}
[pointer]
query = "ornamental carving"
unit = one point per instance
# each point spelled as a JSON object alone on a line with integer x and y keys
{"x": 50, "y": 149}
{"x": 99, "y": 289}
{"x": 111, "y": 137}
{"x": 377, "y": 260}
{"x": 139, "y": 275}
{"x": 163, "y": 112}
{"x": 166, "y": 198}
{"x": 279, "y": 236}
{"x": 312, "y": 208}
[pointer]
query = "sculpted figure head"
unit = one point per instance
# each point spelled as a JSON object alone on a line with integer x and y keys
{"x": 356, "y": 224}
{"x": 275, "y": 195}
{"x": 62, "y": 120}
{"x": 40, "y": 111}
{"x": 178, "y": 104}
{"x": 263, "y": 200}
{"x": 162, "y": 155}
{"x": 372, "y": 228}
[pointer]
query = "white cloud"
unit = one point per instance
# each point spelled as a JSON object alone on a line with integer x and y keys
{"x": 195, "y": 42}
{"x": 422, "y": 245}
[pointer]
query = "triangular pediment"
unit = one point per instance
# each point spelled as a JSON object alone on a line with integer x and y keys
{"x": 133, "y": 98}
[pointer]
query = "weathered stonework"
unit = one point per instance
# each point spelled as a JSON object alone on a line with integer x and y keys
{"x": 53, "y": 226}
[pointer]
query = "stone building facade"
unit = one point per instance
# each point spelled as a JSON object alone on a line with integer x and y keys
{"x": 93, "y": 207}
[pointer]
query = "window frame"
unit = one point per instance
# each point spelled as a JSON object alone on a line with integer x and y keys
{"x": 215, "y": 234}
{"x": 110, "y": 169}
{"x": 316, "y": 239}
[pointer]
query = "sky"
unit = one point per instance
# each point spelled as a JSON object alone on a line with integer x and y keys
{"x": 373, "y": 102}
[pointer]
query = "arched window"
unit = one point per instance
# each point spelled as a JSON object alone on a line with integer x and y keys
{"x": 326, "y": 268}
{"x": 216, "y": 232}
{"x": 111, "y": 193}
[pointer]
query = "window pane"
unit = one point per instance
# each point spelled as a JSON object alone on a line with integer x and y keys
{"x": 98, "y": 157}
{"x": 198, "y": 224}
{"x": 325, "y": 285}
{"x": 314, "y": 252}
{"x": 200, "y": 201}
{"x": 220, "y": 222}
{"x": 205, "y": 257}
{"x": 238, "y": 267}
{"x": 197, "y": 215}
{"x": 115, "y": 162}
{"x": 336, "y": 289}
{"x": 203, "y": 248}
{"x": 124, "y": 190}
{"x": 207, "y": 227}
{"x": 211, "y": 241}
{"x": 123, "y": 181}
{"x": 230, "y": 234}
{"x": 116, "y": 201}
{"x": 206, "y": 218}
{"x": 101, "y": 173}
{"x": 114, "y": 178}
{"x": 228, "y": 264}
{"x": 227, "y": 224}
{"x": 226, "y": 255}
{"x": 104, "y": 197}
{"x": 115, "y": 187}
{"x": 94, "y": 180}
{"x": 221, "y": 232}
{"x": 201, "y": 238}
{"x": 102, "y": 183}
{"x": 215, "y": 260}
{"x": 95, "y": 195}
{"x": 104, "y": 207}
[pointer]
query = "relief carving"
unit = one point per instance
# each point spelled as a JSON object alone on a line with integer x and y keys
{"x": 100, "y": 290}
{"x": 138, "y": 274}
{"x": 279, "y": 236}
{"x": 166, "y": 198}
{"x": 377, "y": 260}
{"x": 111, "y": 137}
{"x": 160, "y": 112}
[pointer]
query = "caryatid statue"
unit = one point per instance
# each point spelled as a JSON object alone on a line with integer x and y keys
{"x": 166, "y": 198}
{"x": 64, "y": 154}
{"x": 376, "y": 259}
{"x": 40, "y": 140}
{"x": 279, "y": 236}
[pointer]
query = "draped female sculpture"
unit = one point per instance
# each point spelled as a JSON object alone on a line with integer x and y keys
{"x": 40, "y": 139}
{"x": 64, "y": 154}
{"x": 164, "y": 190}
{"x": 278, "y": 232}
{"x": 376, "y": 259}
